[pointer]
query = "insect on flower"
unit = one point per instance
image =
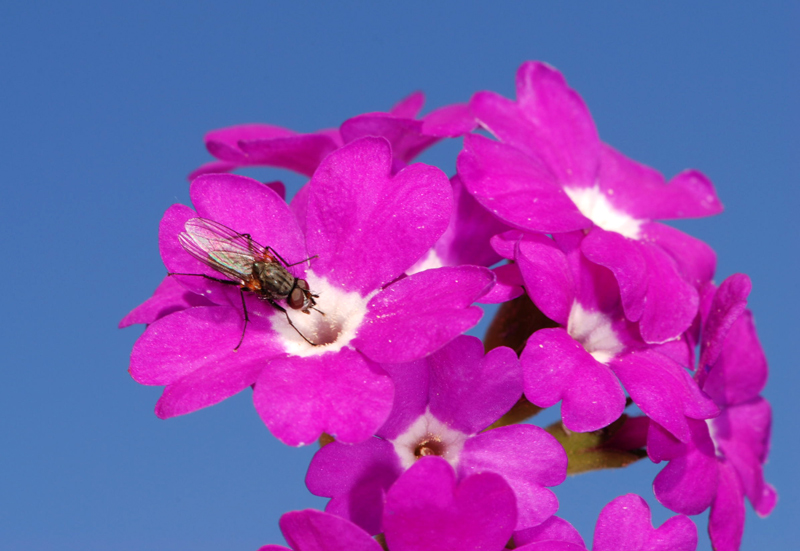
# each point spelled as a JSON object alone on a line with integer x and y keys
{"x": 250, "y": 266}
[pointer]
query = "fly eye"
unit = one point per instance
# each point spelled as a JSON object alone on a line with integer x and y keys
{"x": 296, "y": 299}
{"x": 302, "y": 284}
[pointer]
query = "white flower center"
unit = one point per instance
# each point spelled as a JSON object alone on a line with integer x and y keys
{"x": 429, "y": 436}
{"x": 594, "y": 332}
{"x": 712, "y": 432}
{"x": 595, "y": 206}
{"x": 331, "y": 325}
{"x": 428, "y": 262}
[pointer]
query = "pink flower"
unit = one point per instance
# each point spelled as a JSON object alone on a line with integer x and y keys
{"x": 582, "y": 362}
{"x": 723, "y": 461}
{"x": 550, "y": 173}
{"x": 267, "y": 145}
{"x": 443, "y": 404}
{"x": 623, "y": 525}
{"x": 364, "y": 228}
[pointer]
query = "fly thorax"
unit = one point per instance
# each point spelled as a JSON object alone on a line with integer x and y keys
{"x": 274, "y": 278}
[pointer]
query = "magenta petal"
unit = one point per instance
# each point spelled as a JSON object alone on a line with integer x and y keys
{"x": 311, "y": 530}
{"x": 421, "y": 313}
{"x": 547, "y": 276}
{"x": 689, "y": 482}
{"x": 641, "y": 192}
{"x": 742, "y": 434}
{"x": 507, "y": 286}
{"x": 450, "y": 121}
{"x": 214, "y": 167}
{"x": 688, "y": 195}
{"x": 555, "y": 367}
{"x": 300, "y": 153}
{"x": 553, "y": 529}
{"x": 549, "y": 120}
{"x": 467, "y": 238}
{"x": 726, "y": 521}
{"x": 663, "y": 390}
{"x": 278, "y": 187}
{"x": 209, "y": 385}
{"x": 169, "y": 297}
{"x": 248, "y": 206}
{"x": 521, "y": 190}
{"x": 411, "y": 389}
{"x": 740, "y": 372}
{"x": 409, "y": 107}
{"x": 695, "y": 259}
{"x": 368, "y": 226}
{"x": 624, "y": 258}
{"x": 624, "y": 525}
{"x": 405, "y": 135}
{"x": 505, "y": 244}
{"x": 508, "y": 451}
{"x": 425, "y": 505}
{"x": 198, "y": 338}
{"x": 672, "y": 302}
{"x": 340, "y": 393}
{"x": 224, "y": 142}
{"x": 356, "y": 477}
{"x": 469, "y": 391}
{"x": 729, "y": 302}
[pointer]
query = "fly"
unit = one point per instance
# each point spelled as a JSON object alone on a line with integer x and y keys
{"x": 250, "y": 266}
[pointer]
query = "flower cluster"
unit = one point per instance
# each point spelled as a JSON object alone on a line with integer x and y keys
{"x": 345, "y": 311}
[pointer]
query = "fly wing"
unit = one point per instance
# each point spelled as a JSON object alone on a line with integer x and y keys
{"x": 220, "y": 248}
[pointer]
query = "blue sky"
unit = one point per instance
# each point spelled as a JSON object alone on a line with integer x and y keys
{"x": 104, "y": 106}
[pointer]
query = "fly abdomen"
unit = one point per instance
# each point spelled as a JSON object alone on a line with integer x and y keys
{"x": 275, "y": 279}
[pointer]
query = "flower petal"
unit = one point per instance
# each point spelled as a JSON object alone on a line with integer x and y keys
{"x": 419, "y": 314}
{"x": 695, "y": 259}
{"x": 726, "y": 521}
{"x": 426, "y": 505}
{"x": 663, "y": 390}
{"x": 555, "y": 367}
{"x": 547, "y": 276}
{"x": 300, "y": 153}
{"x": 311, "y": 530}
{"x": 467, "y": 238}
{"x": 199, "y": 338}
{"x": 508, "y": 451}
{"x": 549, "y": 120}
{"x": 367, "y": 226}
{"x": 672, "y": 302}
{"x": 623, "y": 257}
{"x": 249, "y": 207}
{"x": 729, "y": 302}
{"x": 742, "y": 434}
{"x": 469, "y": 391}
{"x": 688, "y": 483}
{"x": 449, "y": 121}
{"x": 624, "y": 525}
{"x": 553, "y": 529}
{"x": 342, "y": 393}
{"x": 170, "y": 296}
{"x": 520, "y": 190}
{"x": 356, "y": 477}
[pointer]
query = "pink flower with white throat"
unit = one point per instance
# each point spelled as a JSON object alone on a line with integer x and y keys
{"x": 365, "y": 226}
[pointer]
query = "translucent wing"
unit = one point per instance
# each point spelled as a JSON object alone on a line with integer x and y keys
{"x": 221, "y": 248}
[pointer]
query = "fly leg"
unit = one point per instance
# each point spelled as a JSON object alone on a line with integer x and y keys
{"x": 212, "y": 278}
{"x": 241, "y": 294}
{"x": 279, "y": 257}
{"x": 285, "y": 313}
{"x": 246, "y": 319}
